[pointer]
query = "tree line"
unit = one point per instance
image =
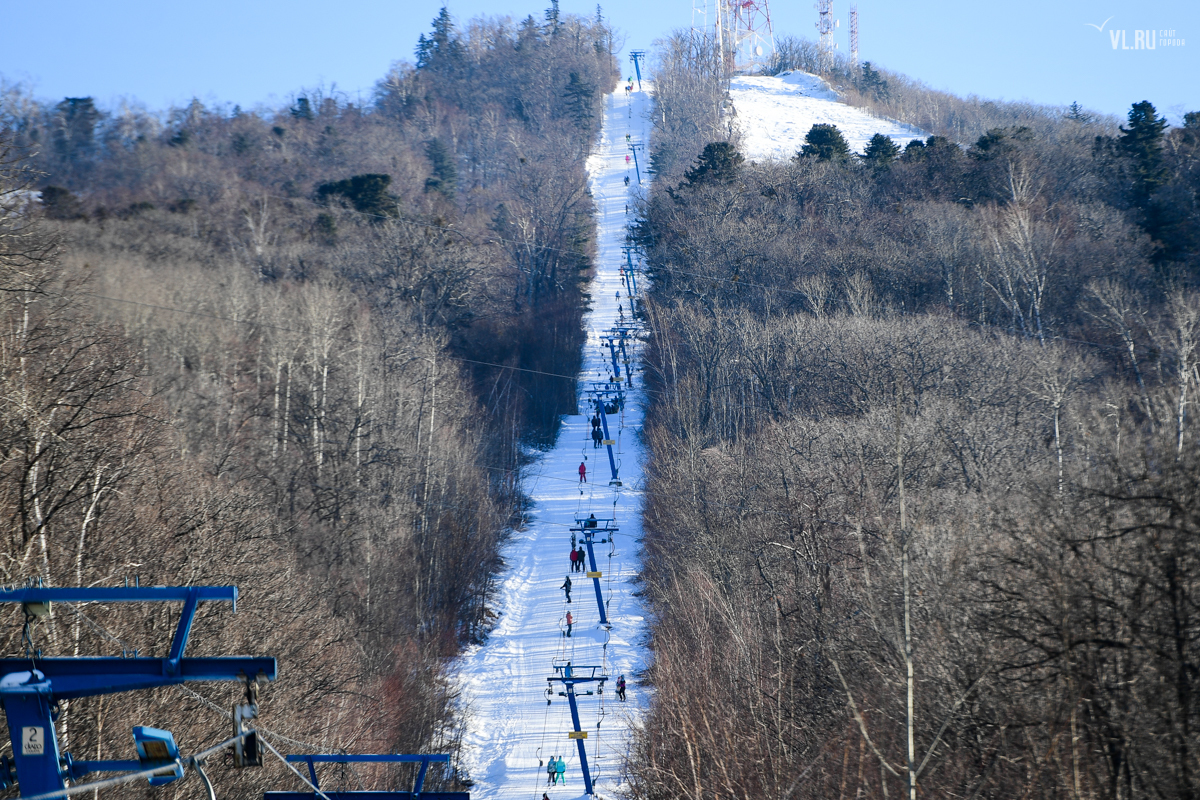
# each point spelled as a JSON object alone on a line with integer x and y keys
{"x": 299, "y": 350}
{"x": 919, "y": 514}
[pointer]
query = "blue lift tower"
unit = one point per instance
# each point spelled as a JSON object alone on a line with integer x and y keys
{"x": 589, "y": 528}
{"x": 32, "y": 688}
{"x": 599, "y": 395}
{"x": 570, "y": 677}
{"x": 417, "y": 792}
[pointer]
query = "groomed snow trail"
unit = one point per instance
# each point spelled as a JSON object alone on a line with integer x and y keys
{"x": 775, "y": 113}
{"x": 510, "y": 727}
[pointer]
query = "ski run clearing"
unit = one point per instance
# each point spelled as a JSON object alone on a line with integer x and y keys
{"x": 511, "y": 730}
{"x": 775, "y": 113}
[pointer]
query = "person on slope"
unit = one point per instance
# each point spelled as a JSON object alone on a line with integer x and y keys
{"x": 582, "y": 472}
{"x": 566, "y": 587}
{"x": 621, "y": 687}
{"x": 570, "y": 622}
{"x": 574, "y": 559}
{"x": 551, "y": 773}
{"x": 597, "y": 438}
{"x": 582, "y": 559}
{"x": 562, "y": 771}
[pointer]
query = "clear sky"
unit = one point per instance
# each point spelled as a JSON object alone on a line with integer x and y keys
{"x": 262, "y": 51}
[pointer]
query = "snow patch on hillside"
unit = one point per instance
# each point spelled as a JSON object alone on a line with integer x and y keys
{"x": 775, "y": 112}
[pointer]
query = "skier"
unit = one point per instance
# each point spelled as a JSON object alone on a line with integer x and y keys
{"x": 582, "y": 559}
{"x": 562, "y": 771}
{"x": 570, "y": 622}
{"x": 597, "y": 438}
{"x": 572, "y": 540}
{"x": 551, "y": 772}
{"x": 566, "y": 587}
{"x": 621, "y": 687}
{"x": 591, "y": 520}
{"x": 574, "y": 559}
{"x": 582, "y": 472}
{"x": 626, "y": 183}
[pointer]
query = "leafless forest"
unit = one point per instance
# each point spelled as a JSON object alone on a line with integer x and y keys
{"x": 297, "y": 350}
{"x": 922, "y": 492}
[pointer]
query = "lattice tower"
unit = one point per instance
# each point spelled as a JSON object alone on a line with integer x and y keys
{"x": 854, "y": 35}
{"x": 751, "y": 38}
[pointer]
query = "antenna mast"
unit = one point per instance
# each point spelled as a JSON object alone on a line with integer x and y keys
{"x": 854, "y": 35}
{"x": 753, "y": 38}
{"x": 825, "y": 26}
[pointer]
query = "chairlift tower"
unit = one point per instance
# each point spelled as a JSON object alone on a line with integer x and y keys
{"x": 599, "y": 393}
{"x": 588, "y": 529}
{"x": 570, "y": 677}
{"x": 32, "y": 688}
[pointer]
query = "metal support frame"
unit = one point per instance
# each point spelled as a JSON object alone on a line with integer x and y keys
{"x": 637, "y": 56}
{"x": 600, "y": 394}
{"x": 634, "y": 147}
{"x": 604, "y": 525}
{"x": 568, "y": 677}
{"x": 418, "y": 785}
{"x": 31, "y": 688}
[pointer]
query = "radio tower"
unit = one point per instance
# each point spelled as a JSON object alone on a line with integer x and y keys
{"x": 854, "y": 35}
{"x": 825, "y": 25}
{"x": 751, "y": 36}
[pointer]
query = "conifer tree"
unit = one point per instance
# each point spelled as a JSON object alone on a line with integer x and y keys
{"x": 825, "y": 142}
{"x": 881, "y": 151}
{"x": 1142, "y": 143}
{"x": 445, "y": 173}
{"x": 719, "y": 163}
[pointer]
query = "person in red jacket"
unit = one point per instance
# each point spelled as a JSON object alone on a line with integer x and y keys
{"x": 582, "y": 472}
{"x": 570, "y": 622}
{"x": 574, "y": 560}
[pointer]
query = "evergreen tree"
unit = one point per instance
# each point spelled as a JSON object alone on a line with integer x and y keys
{"x": 873, "y": 84}
{"x": 1142, "y": 144}
{"x": 552, "y": 18}
{"x": 825, "y": 142}
{"x": 302, "y": 109}
{"x": 579, "y": 96}
{"x": 719, "y": 163}
{"x": 367, "y": 193}
{"x": 914, "y": 151}
{"x": 75, "y": 123}
{"x": 1076, "y": 113}
{"x": 445, "y": 173}
{"x": 881, "y": 151}
{"x": 441, "y": 47}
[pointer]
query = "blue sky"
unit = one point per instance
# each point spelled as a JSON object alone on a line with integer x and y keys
{"x": 262, "y": 51}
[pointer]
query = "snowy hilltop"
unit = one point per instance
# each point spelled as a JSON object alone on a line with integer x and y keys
{"x": 775, "y": 112}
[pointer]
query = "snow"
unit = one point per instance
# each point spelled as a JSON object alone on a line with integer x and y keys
{"x": 509, "y": 726}
{"x": 775, "y": 113}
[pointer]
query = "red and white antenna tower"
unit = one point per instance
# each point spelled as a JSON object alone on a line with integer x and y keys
{"x": 700, "y": 16}
{"x": 825, "y": 26}
{"x": 748, "y": 37}
{"x": 854, "y": 35}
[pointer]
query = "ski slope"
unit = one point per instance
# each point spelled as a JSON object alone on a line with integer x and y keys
{"x": 511, "y": 732}
{"x": 776, "y": 112}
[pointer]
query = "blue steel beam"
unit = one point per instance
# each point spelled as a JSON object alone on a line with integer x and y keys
{"x": 594, "y": 574}
{"x": 90, "y": 676}
{"x": 568, "y": 679}
{"x": 612, "y": 461}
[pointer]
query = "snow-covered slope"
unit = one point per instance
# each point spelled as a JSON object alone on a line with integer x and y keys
{"x": 511, "y": 731}
{"x": 774, "y": 113}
